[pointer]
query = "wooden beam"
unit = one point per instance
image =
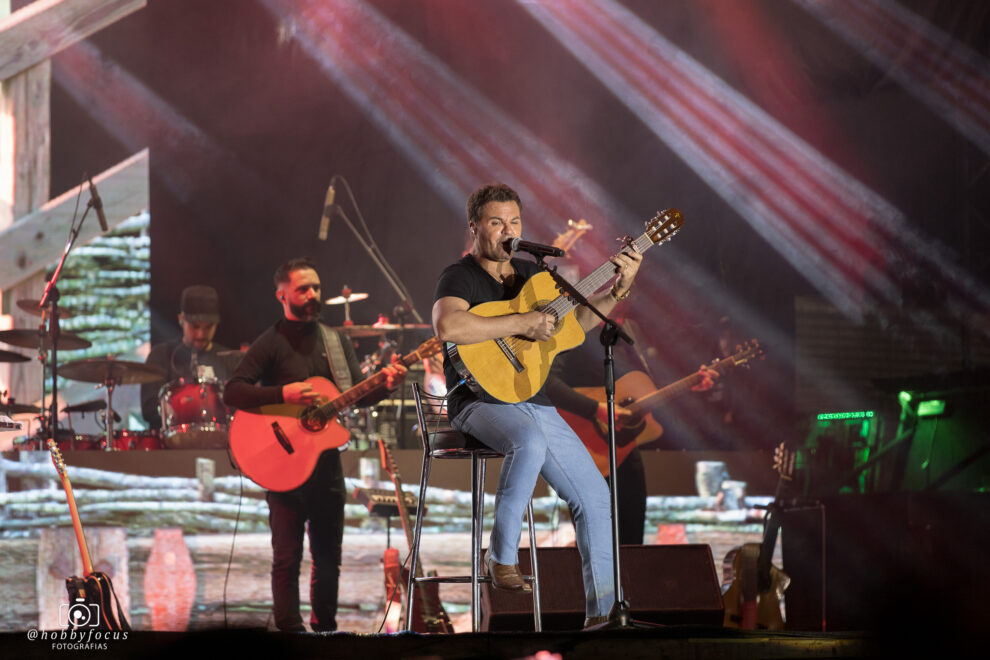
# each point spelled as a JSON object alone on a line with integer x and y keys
{"x": 25, "y": 142}
{"x": 36, "y": 241}
{"x": 35, "y": 33}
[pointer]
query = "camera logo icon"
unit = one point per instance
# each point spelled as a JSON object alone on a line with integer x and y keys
{"x": 79, "y": 614}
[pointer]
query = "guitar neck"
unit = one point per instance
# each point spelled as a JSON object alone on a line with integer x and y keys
{"x": 349, "y": 397}
{"x": 562, "y": 305}
{"x": 681, "y": 386}
{"x": 400, "y": 499}
{"x": 73, "y": 511}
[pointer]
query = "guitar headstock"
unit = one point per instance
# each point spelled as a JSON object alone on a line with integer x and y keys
{"x": 744, "y": 354}
{"x": 57, "y": 460}
{"x": 784, "y": 460}
{"x": 427, "y": 349}
{"x": 575, "y": 230}
{"x": 662, "y": 227}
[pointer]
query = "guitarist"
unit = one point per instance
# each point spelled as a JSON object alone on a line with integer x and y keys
{"x": 272, "y": 372}
{"x": 582, "y": 367}
{"x": 535, "y": 440}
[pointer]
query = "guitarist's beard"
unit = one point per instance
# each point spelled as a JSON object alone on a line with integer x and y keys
{"x": 307, "y": 312}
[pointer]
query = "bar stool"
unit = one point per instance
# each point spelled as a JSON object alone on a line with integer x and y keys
{"x": 440, "y": 441}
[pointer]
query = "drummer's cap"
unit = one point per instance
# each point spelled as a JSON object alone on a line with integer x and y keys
{"x": 200, "y": 304}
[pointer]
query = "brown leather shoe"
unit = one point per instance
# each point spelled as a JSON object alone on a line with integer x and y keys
{"x": 506, "y": 577}
{"x": 594, "y": 621}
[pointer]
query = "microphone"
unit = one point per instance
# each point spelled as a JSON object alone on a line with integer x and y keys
{"x": 327, "y": 207}
{"x": 97, "y": 204}
{"x": 536, "y": 249}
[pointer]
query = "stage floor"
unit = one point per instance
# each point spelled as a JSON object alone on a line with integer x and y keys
{"x": 671, "y": 643}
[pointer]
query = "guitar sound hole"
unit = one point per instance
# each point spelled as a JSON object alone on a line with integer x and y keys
{"x": 313, "y": 419}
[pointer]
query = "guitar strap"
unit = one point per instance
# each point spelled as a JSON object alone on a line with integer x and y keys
{"x": 336, "y": 357}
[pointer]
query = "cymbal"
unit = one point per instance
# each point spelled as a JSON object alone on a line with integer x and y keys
{"x": 88, "y": 406}
{"x": 360, "y": 331}
{"x": 96, "y": 405}
{"x": 17, "y": 408}
{"x": 106, "y": 370}
{"x": 67, "y": 341}
{"x": 31, "y": 307}
{"x": 10, "y": 356}
{"x": 396, "y": 327}
{"x": 340, "y": 300}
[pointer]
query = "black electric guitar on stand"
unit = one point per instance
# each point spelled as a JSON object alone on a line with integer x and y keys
{"x": 92, "y": 599}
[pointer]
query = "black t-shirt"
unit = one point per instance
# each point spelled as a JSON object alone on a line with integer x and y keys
{"x": 468, "y": 281}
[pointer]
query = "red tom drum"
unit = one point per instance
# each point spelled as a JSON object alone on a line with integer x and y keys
{"x": 193, "y": 414}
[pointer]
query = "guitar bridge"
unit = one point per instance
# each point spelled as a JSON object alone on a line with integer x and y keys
{"x": 513, "y": 360}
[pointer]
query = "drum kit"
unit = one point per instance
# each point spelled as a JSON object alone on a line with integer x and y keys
{"x": 193, "y": 413}
{"x": 192, "y": 409}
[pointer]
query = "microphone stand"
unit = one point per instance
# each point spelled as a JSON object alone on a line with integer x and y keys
{"x": 619, "y": 616}
{"x": 52, "y": 295}
{"x": 368, "y": 243}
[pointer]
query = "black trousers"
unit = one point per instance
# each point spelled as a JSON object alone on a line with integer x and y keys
{"x": 632, "y": 499}
{"x": 317, "y": 507}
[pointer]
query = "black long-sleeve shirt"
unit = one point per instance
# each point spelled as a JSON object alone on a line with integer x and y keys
{"x": 288, "y": 352}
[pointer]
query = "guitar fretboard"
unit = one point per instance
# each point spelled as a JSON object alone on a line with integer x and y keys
{"x": 349, "y": 397}
{"x": 562, "y": 305}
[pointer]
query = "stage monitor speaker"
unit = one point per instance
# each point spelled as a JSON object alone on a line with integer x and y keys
{"x": 669, "y": 584}
{"x": 888, "y": 561}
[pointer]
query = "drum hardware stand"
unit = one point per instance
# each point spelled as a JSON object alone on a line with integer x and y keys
{"x": 109, "y": 383}
{"x": 619, "y": 616}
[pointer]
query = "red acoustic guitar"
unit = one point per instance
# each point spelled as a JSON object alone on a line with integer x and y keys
{"x": 637, "y": 392}
{"x": 277, "y": 446}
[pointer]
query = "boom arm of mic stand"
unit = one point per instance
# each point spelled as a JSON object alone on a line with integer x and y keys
{"x": 381, "y": 263}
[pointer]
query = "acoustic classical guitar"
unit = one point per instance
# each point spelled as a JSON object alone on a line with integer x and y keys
{"x": 752, "y": 601}
{"x": 513, "y": 369}
{"x": 637, "y": 392}
{"x": 277, "y": 446}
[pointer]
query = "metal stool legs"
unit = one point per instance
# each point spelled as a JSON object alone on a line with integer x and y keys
{"x": 477, "y": 527}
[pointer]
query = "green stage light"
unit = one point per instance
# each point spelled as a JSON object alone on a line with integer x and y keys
{"x": 931, "y": 408}
{"x": 858, "y": 414}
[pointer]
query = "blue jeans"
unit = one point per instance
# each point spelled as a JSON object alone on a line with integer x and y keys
{"x": 537, "y": 442}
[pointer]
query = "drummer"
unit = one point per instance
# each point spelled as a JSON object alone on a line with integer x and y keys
{"x": 196, "y": 355}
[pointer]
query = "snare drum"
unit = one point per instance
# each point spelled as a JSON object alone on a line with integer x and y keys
{"x": 193, "y": 414}
{"x": 67, "y": 441}
{"x": 137, "y": 440}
